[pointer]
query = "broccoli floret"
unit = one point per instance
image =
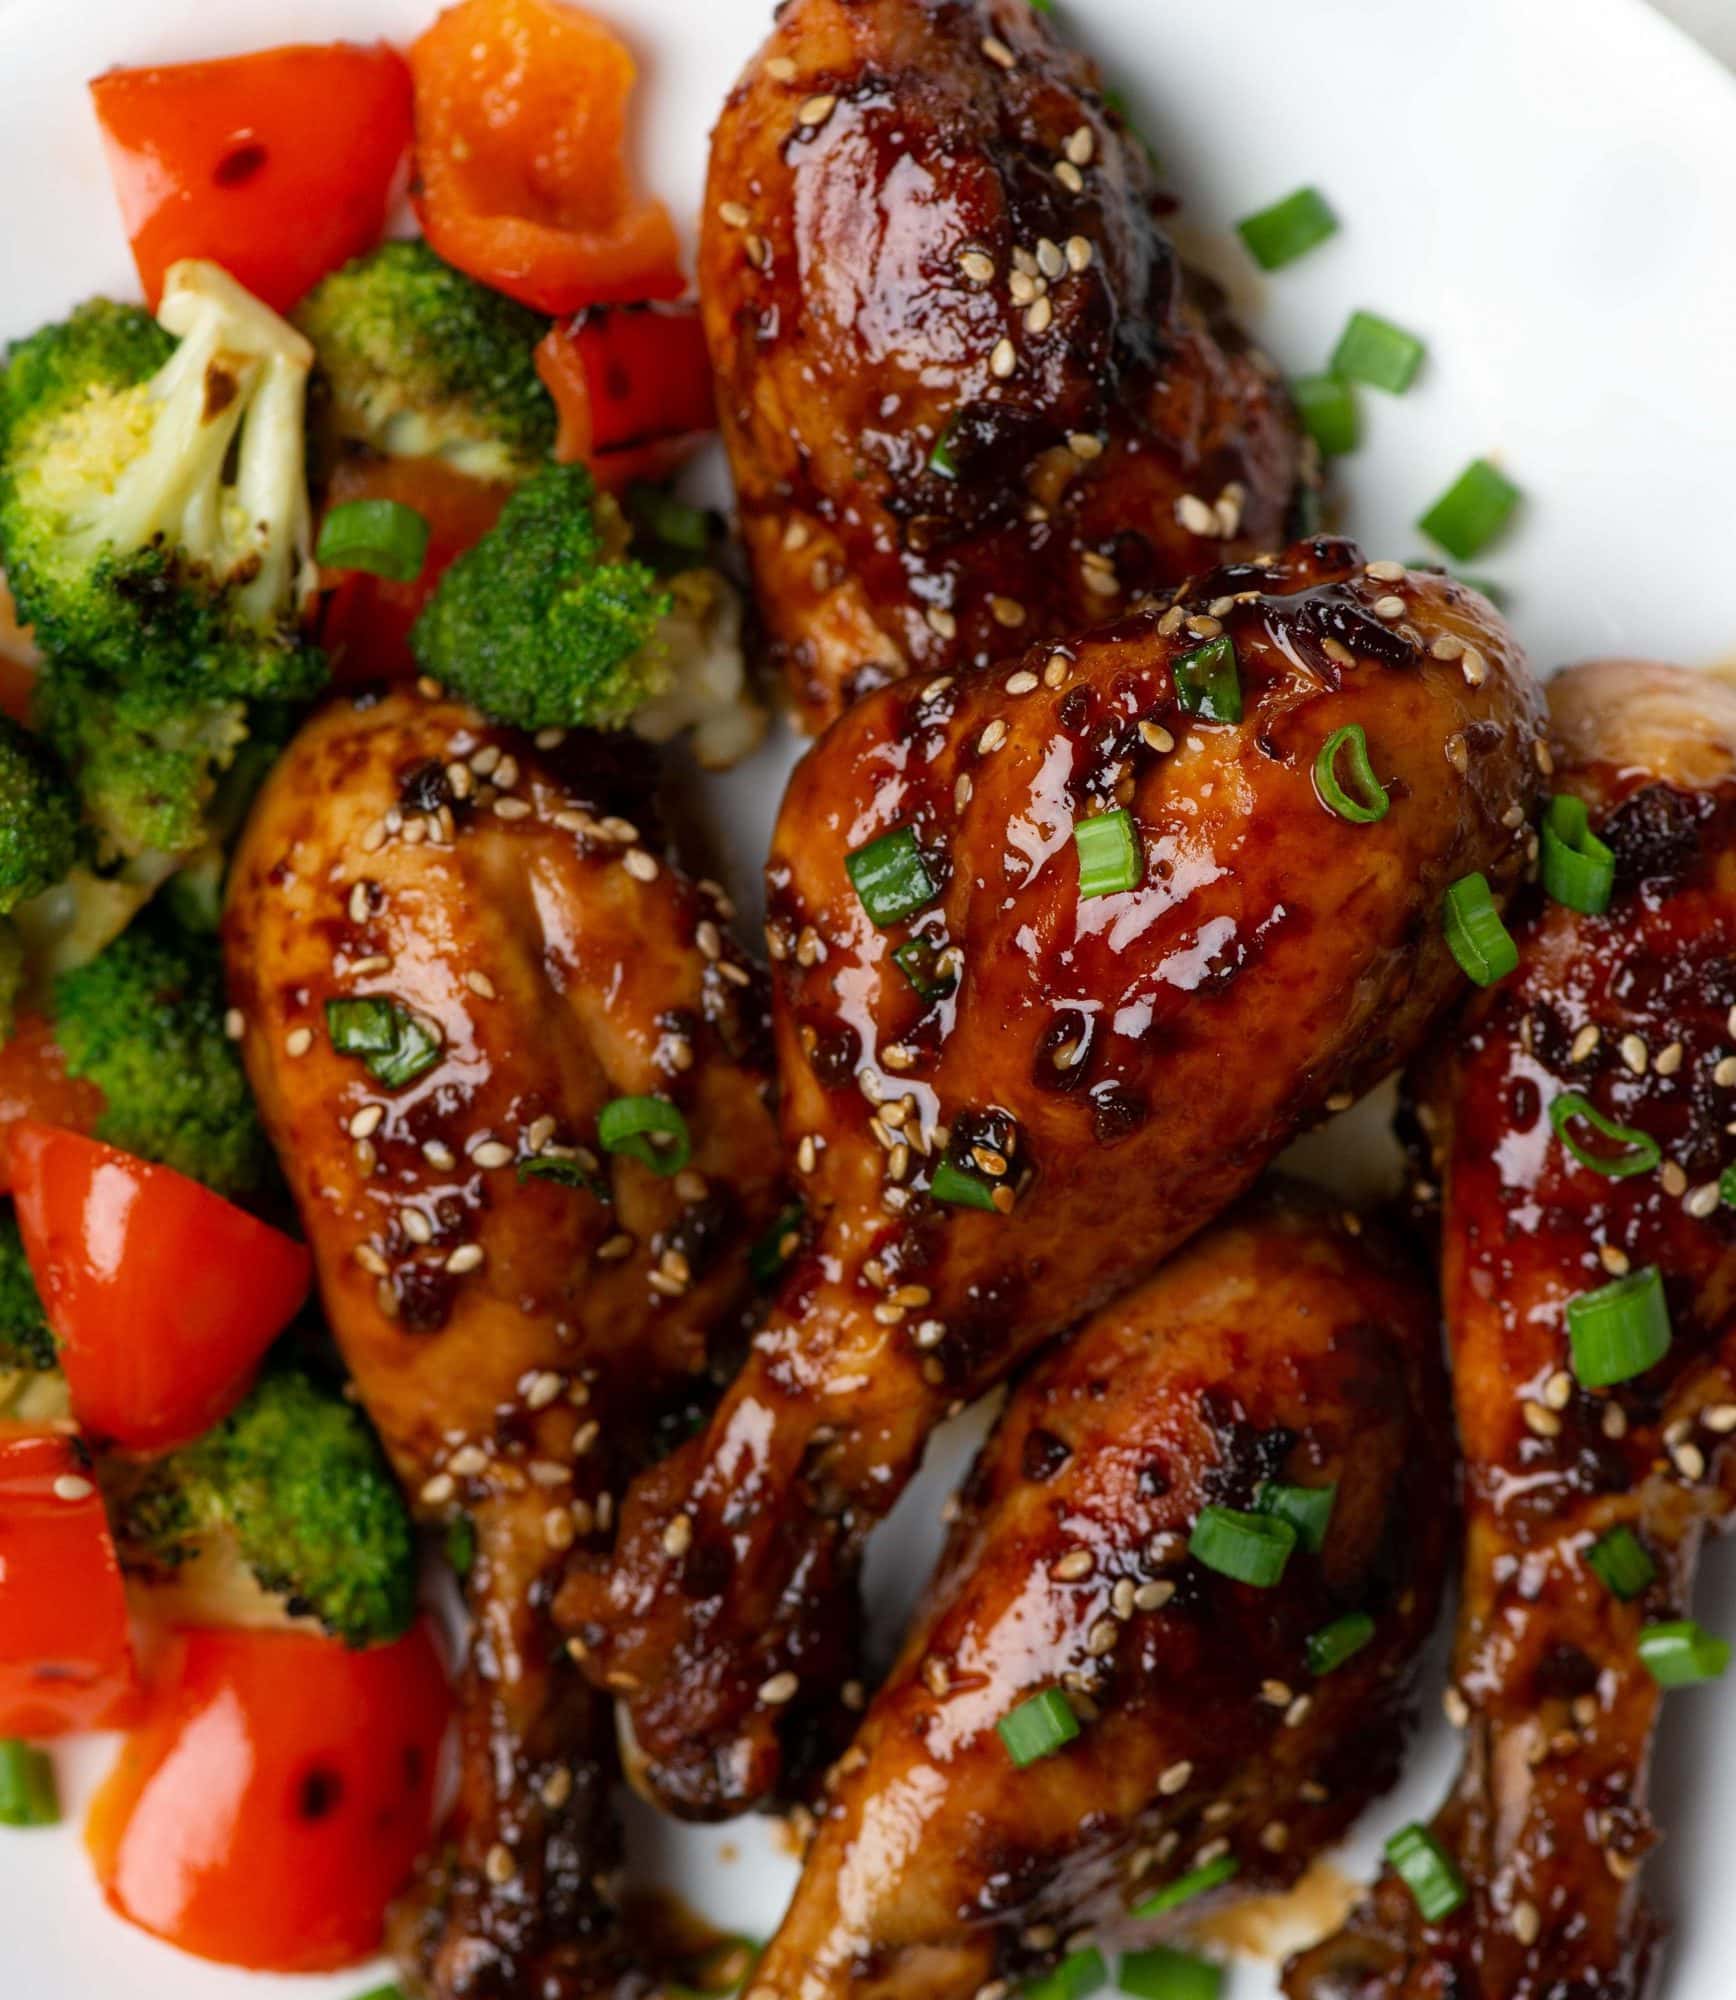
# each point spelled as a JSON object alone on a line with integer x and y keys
{"x": 143, "y": 1021}
{"x": 542, "y": 624}
{"x": 25, "y": 1339}
{"x": 293, "y": 1484}
{"x": 420, "y": 361}
{"x": 154, "y": 518}
{"x": 38, "y": 817}
{"x": 14, "y": 968}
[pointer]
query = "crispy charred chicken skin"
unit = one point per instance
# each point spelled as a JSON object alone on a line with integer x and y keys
{"x": 972, "y": 398}
{"x": 519, "y": 1312}
{"x": 1100, "y": 1077}
{"x": 1284, "y": 1345}
{"x": 1632, "y": 1011}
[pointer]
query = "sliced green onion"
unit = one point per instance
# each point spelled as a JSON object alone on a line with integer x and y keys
{"x": 1250, "y": 1548}
{"x": 919, "y": 961}
{"x": 1207, "y": 681}
{"x": 964, "y": 1190}
{"x": 1727, "y": 1187}
{"x": 890, "y": 877}
{"x": 1472, "y": 511}
{"x": 565, "y": 1172}
{"x": 1620, "y": 1330}
{"x": 671, "y": 522}
{"x": 1682, "y": 1654}
{"x": 1038, "y": 1728}
{"x": 1427, "y": 1871}
{"x": 1342, "y": 1640}
{"x": 1110, "y": 857}
{"x": 1622, "y": 1564}
{"x": 776, "y": 1247}
{"x": 384, "y": 537}
{"x": 1186, "y": 1887}
{"x": 392, "y": 1044}
{"x": 28, "y": 1793}
{"x": 1369, "y": 801}
{"x": 1308, "y": 1509}
{"x": 1278, "y": 235}
{"x": 1080, "y": 1973}
{"x": 1578, "y": 869}
{"x": 1327, "y": 408}
{"x": 941, "y": 459}
{"x": 460, "y": 1550}
{"x": 724, "y": 1969}
{"x": 1166, "y": 1974}
{"x": 1373, "y": 350}
{"x": 647, "y": 1129}
{"x": 1641, "y": 1154}
{"x": 1476, "y": 936}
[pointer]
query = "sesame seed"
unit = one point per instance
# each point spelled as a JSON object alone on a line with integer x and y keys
{"x": 1055, "y": 673}
{"x": 998, "y": 53}
{"x": 896, "y": 1055}
{"x": 1672, "y": 1179}
{"x": 961, "y": 792}
{"x": 1080, "y": 146}
{"x": 480, "y": 984}
{"x": 1720, "y": 1419}
{"x": 1021, "y": 288}
{"x": 1079, "y": 253}
{"x": 1275, "y": 1836}
{"x": 70, "y": 1487}
{"x": 499, "y": 1866}
{"x": 558, "y": 1529}
{"x": 416, "y": 1225}
{"x": 370, "y": 1260}
{"x": 1702, "y": 1201}
{"x": 993, "y": 736}
{"x": 1527, "y": 1923}
{"x": 818, "y": 109}
{"x": 639, "y": 865}
{"x": 1051, "y": 260}
{"x": 583, "y": 1438}
{"x": 1558, "y": 1390}
{"x": 940, "y": 622}
{"x": 1070, "y": 177}
{"x": 757, "y": 251}
{"x": 1074, "y": 1565}
{"x": 1690, "y": 1462}
{"x": 1196, "y": 517}
{"x": 1613, "y": 1260}
{"x": 781, "y": 1688}
{"x": 1615, "y": 1423}
{"x": 1153, "y": 1596}
{"x": 467, "y": 1257}
{"x": 1724, "y": 1072}
{"x": 1102, "y": 1638}
{"x": 1456, "y": 1708}
{"x": 556, "y": 1788}
{"x": 678, "y": 1537}
{"x": 298, "y": 1041}
{"x": 438, "y": 1490}
{"x": 1040, "y": 316}
{"x": 1388, "y": 607}
{"x": 806, "y": 1153}
{"x": 1474, "y": 666}
{"x": 492, "y": 1153}
{"x": 1298, "y": 1711}
{"x": 1121, "y": 1598}
{"x": 1541, "y": 1422}
{"x": 508, "y": 809}
{"x": 1583, "y": 1044}
{"x": 1175, "y": 1779}
{"x": 1004, "y": 359}
{"x": 367, "y": 1121}
{"x": 1390, "y": 572}
{"x": 780, "y": 69}
{"x": 1276, "y": 1694}
{"x": 977, "y": 266}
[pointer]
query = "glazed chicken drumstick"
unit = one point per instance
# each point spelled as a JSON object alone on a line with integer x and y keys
{"x": 972, "y": 398}
{"x": 1008, "y": 1099}
{"x": 1226, "y": 1732}
{"x": 451, "y": 950}
{"x": 1580, "y": 1122}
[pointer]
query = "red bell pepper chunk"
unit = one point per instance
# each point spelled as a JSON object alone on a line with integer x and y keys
{"x": 66, "y": 1657}
{"x": 34, "y": 1084}
{"x": 278, "y": 166}
{"x": 164, "y": 1296}
{"x": 632, "y": 388}
{"x": 275, "y": 1798}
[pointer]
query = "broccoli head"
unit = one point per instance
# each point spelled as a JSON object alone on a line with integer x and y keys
{"x": 543, "y": 623}
{"x": 144, "y": 1022}
{"x": 25, "y": 1339}
{"x": 38, "y": 817}
{"x": 154, "y": 520}
{"x": 422, "y": 362}
{"x": 295, "y": 1487}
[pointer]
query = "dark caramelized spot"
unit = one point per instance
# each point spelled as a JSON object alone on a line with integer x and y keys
{"x": 1655, "y": 835}
{"x": 1116, "y": 1113}
{"x": 425, "y": 788}
{"x": 1044, "y": 1454}
{"x": 319, "y": 1793}
{"x": 424, "y": 1293}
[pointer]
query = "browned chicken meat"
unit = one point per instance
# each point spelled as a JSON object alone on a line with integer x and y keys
{"x": 1222, "y": 1727}
{"x": 1580, "y": 1122}
{"x": 972, "y": 398}
{"x": 451, "y": 949}
{"x": 1009, "y": 1099}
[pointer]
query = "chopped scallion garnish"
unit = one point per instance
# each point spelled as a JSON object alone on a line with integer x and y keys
{"x": 384, "y": 537}
{"x": 565, "y": 1171}
{"x": 941, "y": 459}
{"x": 1578, "y": 868}
{"x": 1342, "y": 1640}
{"x": 1248, "y": 1548}
{"x": 1327, "y": 408}
{"x": 460, "y": 1549}
{"x": 647, "y": 1129}
{"x": 776, "y": 1247}
{"x": 1038, "y": 1728}
{"x": 1476, "y": 936}
{"x": 1683, "y": 1654}
{"x": 931, "y": 975}
{"x": 1427, "y": 1871}
{"x": 1620, "y": 1330}
{"x": 1472, "y": 511}
{"x": 1364, "y": 800}
{"x": 1373, "y": 350}
{"x": 1278, "y": 235}
{"x": 1163, "y": 1973}
{"x": 671, "y": 522}
{"x": 1110, "y": 859}
{"x": 28, "y": 1793}
{"x": 1079, "y": 1974}
{"x": 1308, "y": 1509}
{"x": 1208, "y": 681}
{"x": 951, "y": 1183}
{"x": 1620, "y": 1562}
{"x": 1186, "y": 1887}
{"x": 392, "y": 1044}
{"x": 1640, "y": 1152}
{"x": 890, "y": 877}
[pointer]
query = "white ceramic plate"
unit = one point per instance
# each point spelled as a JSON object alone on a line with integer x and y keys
{"x": 1545, "y": 190}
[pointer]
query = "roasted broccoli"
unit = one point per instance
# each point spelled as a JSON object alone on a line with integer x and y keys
{"x": 144, "y": 1021}
{"x": 543, "y": 623}
{"x": 13, "y": 971}
{"x": 295, "y": 1487}
{"x": 420, "y": 361}
{"x": 38, "y": 818}
{"x": 153, "y": 501}
{"x": 25, "y": 1341}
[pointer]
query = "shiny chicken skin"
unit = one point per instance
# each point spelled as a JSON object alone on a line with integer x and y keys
{"x": 515, "y": 1338}
{"x": 1633, "y": 1010}
{"x": 971, "y": 397}
{"x": 1104, "y": 1075}
{"x": 1284, "y": 1344}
